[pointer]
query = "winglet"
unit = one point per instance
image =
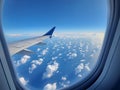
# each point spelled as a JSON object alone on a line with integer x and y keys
{"x": 50, "y": 32}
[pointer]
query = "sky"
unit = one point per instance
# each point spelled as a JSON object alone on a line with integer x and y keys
{"x": 30, "y": 16}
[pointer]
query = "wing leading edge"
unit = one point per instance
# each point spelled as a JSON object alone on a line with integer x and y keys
{"x": 21, "y": 45}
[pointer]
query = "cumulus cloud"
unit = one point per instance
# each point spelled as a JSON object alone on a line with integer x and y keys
{"x": 38, "y": 49}
{"x": 54, "y": 58}
{"x": 71, "y": 55}
{"x": 23, "y": 81}
{"x": 79, "y": 75}
{"x": 51, "y": 69}
{"x": 62, "y": 47}
{"x": 65, "y": 84}
{"x": 64, "y": 78}
{"x": 92, "y": 55}
{"x": 79, "y": 68}
{"x": 87, "y": 67}
{"x": 83, "y": 54}
{"x": 37, "y": 62}
{"x": 68, "y": 46}
{"x": 55, "y": 46}
{"x": 59, "y": 54}
{"x": 74, "y": 55}
{"x": 23, "y": 60}
{"x": 83, "y": 60}
{"x": 34, "y": 65}
{"x": 81, "y": 44}
{"x": 50, "y": 86}
{"x": 44, "y": 51}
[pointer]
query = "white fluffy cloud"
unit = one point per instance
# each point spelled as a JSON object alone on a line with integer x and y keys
{"x": 79, "y": 68}
{"x": 34, "y": 65}
{"x": 59, "y": 54}
{"x": 87, "y": 67}
{"x": 37, "y": 62}
{"x": 71, "y": 55}
{"x": 50, "y": 70}
{"x": 64, "y": 84}
{"x": 54, "y": 58}
{"x": 38, "y": 49}
{"x": 64, "y": 78}
{"x": 74, "y": 55}
{"x": 82, "y": 60}
{"x": 79, "y": 75}
{"x": 50, "y": 86}
{"x": 23, "y": 60}
{"x": 23, "y": 81}
{"x": 44, "y": 51}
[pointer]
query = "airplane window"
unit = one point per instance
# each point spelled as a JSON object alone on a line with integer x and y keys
{"x": 54, "y": 43}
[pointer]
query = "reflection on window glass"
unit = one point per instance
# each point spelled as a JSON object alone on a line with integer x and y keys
{"x": 43, "y": 63}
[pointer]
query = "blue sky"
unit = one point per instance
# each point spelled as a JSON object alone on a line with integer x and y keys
{"x": 67, "y": 15}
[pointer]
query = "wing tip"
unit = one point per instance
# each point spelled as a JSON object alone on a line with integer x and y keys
{"x": 50, "y": 32}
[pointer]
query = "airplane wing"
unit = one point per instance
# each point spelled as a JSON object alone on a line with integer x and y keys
{"x": 21, "y": 45}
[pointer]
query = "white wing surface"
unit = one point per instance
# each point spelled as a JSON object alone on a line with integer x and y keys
{"x": 21, "y": 45}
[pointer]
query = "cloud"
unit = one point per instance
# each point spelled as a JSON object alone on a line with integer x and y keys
{"x": 81, "y": 44}
{"x": 79, "y": 68}
{"x": 62, "y": 47}
{"x": 34, "y": 65}
{"x": 38, "y": 49}
{"x": 71, "y": 55}
{"x": 54, "y": 58}
{"x": 23, "y": 81}
{"x": 64, "y": 78}
{"x": 59, "y": 54}
{"x": 55, "y": 46}
{"x": 92, "y": 55}
{"x": 82, "y": 60}
{"x": 87, "y": 67}
{"x": 83, "y": 54}
{"x": 74, "y": 55}
{"x": 19, "y": 35}
{"x": 64, "y": 84}
{"x": 79, "y": 75}
{"x": 15, "y": 35}
{"x": 50, "y": 86}
{"x": 37, "y": 62}
{"x": 23, "y": 60}
{"x": 44, "y": 51}
{"x": 50, "y": 70}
